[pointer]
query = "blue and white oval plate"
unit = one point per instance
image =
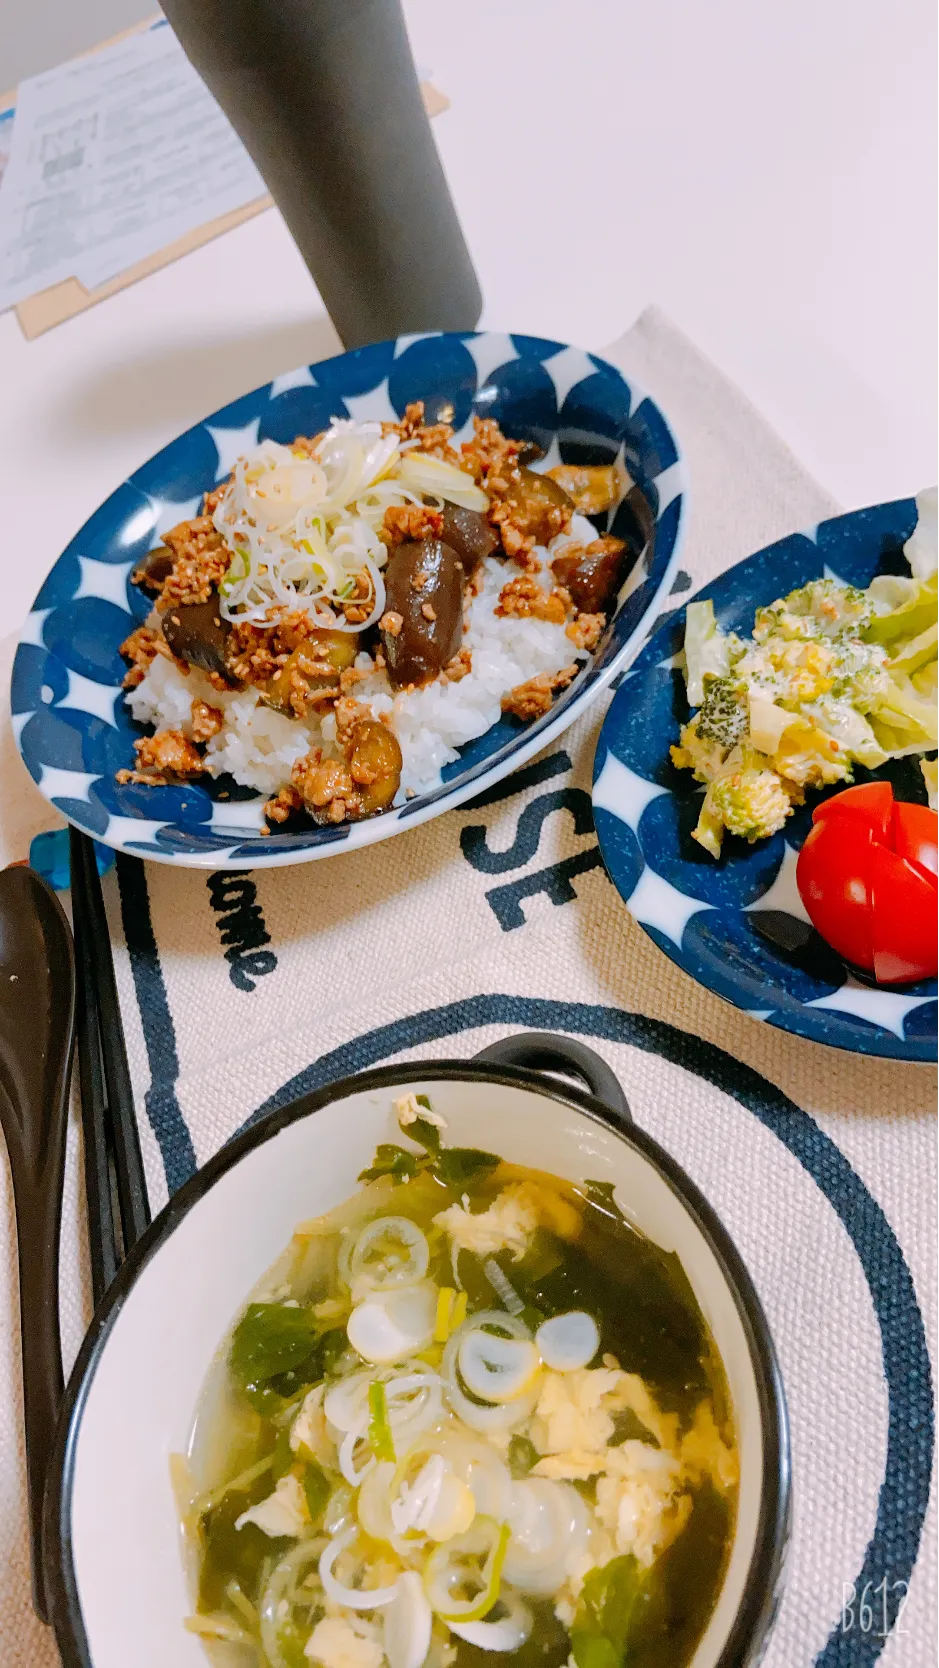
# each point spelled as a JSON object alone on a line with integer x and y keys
{"x": 72, "y": 726}
{"x": 738, "y": 925}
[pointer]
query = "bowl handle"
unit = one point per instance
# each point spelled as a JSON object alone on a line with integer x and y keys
{"x": 545, "y": 1051}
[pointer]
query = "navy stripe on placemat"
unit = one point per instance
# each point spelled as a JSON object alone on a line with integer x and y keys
{"x": 904, "y": 1494}
{"x": 160, "y": 1102}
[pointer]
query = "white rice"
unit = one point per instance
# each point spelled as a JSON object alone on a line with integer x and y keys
{"x": 259, "y": 746}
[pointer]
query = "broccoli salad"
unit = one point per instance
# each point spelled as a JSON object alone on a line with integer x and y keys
{"x": 832, "y": 677}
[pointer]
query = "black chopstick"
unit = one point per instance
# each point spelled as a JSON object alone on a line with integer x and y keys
{"x": 116, "y": 1107}
{"x": 102, "y": 1238}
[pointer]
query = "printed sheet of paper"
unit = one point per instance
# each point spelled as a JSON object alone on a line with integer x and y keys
{"x": 114, "y": 156}
{"x": 6, "y": 138}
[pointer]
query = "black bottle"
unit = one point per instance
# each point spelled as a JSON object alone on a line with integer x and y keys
{"x": 324, "y": 96}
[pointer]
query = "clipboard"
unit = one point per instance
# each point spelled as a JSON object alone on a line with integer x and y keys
{"x": 52, "y": 306}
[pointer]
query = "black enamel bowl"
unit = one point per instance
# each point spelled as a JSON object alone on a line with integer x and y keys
{"x": 115, "y": 1568}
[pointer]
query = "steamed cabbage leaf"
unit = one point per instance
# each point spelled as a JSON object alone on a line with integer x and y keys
{"x": 922, "y": 547}
{"x": 915, "y": 652}
{"x": 926, "y": 680}
{"x": 905, "y": 608}
{"x": 707, "y": 650}
{"x": 902, "y": 720}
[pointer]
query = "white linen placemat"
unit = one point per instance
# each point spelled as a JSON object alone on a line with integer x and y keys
{"x": 241, "y": 990}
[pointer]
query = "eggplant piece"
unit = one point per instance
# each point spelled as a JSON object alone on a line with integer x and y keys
{"x": 155, "y": 568}
{"x": 593, "y": 574}
{"x": 424, "y": 597}
{"x": 315, "y": 664}
{"x": 470, "y": 535}
{"x": 592, "y": 488}
{"x": 198, "y": 633}
{"x": 543, "y": 489}
{"x": 375, "y": 765}
{"x": 541, "y": 503}
{"x": 529, "y": 451}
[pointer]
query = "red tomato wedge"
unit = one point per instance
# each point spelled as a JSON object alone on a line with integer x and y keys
{"x": 868, "y": 875}
{"x": 904, "y": 920}
{"x": 833, "y": 875}
{"x": 873, "y": 800}
{"x": 914, "y": 835}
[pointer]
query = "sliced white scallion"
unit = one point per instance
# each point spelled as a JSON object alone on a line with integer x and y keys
{"x": 485, "y": 1474}
{"x": 374, "y": 1503}
{"x": 455, "y": 1567}
{"x": 507, "y": 1634}
{"x": 408, "y": 1622}
{"x": 413, "y": 1402}
{"x": 433, "y": 1502}
{"x": 494, "y": 1368}
{"x": 480, "y": 1415}
{"x": 339, "y": 1514}
{"x": 453, "y": 1511}
{"x": 389, "y": 1326}
{"x": 347, "y": 1450}
{"x": 502, "y": 1286}
{"x": 439, "y": 479}
{"x": 566, "y": 1342}
{"x": 390, "y": 1251}
{"x": 346, "y": 1403}
{"x": 550, "y": 1528}
{"x": 418, "y": 1499}
{"x": 354, "y": 1598}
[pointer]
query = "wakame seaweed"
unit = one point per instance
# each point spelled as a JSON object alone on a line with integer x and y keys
{"x": 276, "y": 1351}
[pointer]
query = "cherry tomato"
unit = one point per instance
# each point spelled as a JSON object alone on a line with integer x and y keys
{"x": 914, "y": 835}
{"x": 904, "y": 919}
{"x": 872, "y": 800}
{"x": 833, "y": 874}
{"x": 867, "y": 875}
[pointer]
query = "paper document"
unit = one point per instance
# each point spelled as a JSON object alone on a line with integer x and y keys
{"x": 114, "y": 156}
{"x": 6, "y": 138}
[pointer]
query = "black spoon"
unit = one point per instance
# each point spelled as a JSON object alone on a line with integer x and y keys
{"x": 37, "y": 1016}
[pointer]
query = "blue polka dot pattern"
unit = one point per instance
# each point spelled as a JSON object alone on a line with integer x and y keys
{"x": 732, "y": 924}
{"x": 73, "y": 728}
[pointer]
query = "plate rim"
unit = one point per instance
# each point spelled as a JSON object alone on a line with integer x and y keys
{"x": 374, "y": 830}
{"x": 905, "y": 1050}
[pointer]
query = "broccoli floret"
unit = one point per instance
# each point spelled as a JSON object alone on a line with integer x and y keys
{"x": 723, "y": 715}
{"x": 698, "y": 753}
{"x": 750, "y": 803}
{"x": 860, "y": 675}
{"x": 823, "y": 608}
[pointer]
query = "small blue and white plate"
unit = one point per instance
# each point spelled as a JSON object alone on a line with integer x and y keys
{"x": 72, "y": 726}
{"x": 737, "y": 925}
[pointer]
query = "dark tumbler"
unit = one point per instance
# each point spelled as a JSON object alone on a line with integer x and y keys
{"x": 324, "y": 96}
